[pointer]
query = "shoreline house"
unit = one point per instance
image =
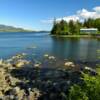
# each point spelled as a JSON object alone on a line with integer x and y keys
{"x": 88, "y": 30}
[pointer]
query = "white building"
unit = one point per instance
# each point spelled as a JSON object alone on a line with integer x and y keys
{"x": 88, "y": 30}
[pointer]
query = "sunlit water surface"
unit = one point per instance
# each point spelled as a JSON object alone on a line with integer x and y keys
{"x": 38, "y": 44}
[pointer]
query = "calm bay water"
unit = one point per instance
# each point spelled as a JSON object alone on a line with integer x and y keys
{"x": 38, "y": 44}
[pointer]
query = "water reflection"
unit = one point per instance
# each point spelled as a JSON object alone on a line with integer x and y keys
{"x": 62, "y": 48}
{"x": 75, "y": 48}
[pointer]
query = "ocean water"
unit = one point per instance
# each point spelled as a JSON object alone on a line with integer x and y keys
{"x": 38, "y": 44}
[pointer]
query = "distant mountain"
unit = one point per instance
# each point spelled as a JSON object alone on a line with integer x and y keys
{"x": 5, "y": 28}
{"x": 42, "y": 31}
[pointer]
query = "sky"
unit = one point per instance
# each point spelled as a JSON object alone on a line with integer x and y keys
{"x": 39, "y": 14}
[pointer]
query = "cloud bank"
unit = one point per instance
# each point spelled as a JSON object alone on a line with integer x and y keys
{"x": 80, "y": 15}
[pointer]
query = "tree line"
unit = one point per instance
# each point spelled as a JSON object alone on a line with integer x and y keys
{"x": 72, "y": 27}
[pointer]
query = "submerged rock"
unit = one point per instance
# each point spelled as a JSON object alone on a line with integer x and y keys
{"x": 4, "y": 64}
{"x": 51, "y": 57}
{"x": 34, "y": 94}
{"x": 1, "y": 61}
{"x": 46, "y": 55}
{"x": 69, "y": 64}
{"x": 19, "y": 56}
{"x": 20, "y": 81}
{"x": 1, "y": 95}
{"x": 90, "y": 70}
{"x": 37, "y": 65}
{"x": 32, "y": 47}
{"x": 21, "y": 63}
{"x": 16, "y": 90}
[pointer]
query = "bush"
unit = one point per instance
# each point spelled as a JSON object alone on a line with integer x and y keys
{"x": 89, "y": 90}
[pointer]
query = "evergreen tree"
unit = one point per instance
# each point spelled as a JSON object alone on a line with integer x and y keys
{"x": 97, "y": 24}
{"x": 72, "y": 27}
{"x": 89, "y": 23}
{"x": 63, "y": 27}
{"x": 54, "y": 29}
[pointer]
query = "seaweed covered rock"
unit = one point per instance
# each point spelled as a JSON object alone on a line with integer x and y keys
{"x": 69, "y": 64}
{"x": 21, "y": 63}
{"x": 21, "y": 79}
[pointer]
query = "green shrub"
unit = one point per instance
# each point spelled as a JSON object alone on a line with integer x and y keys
{"x": 89, "y": 90}
{"x": 76, "y": 93}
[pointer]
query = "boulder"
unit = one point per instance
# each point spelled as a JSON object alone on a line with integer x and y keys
{"x": 51, "y": 57}
{"x": 46, "y": 55}
{"x": 21, "y": 63}
{"x": 69, "y": 64}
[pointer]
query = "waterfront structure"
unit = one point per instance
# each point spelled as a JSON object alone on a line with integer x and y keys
{"x": 88, "y": 30}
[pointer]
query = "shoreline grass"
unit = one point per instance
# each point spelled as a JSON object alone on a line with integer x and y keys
{"x": 77, "y": 36}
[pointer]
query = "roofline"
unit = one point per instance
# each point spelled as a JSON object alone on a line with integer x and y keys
{"x": 89, "y": 29}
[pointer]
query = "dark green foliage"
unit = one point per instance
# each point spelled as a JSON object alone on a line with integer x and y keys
{"x": 76, "y": 93}
{"x": 73, "y": 28}
{"x": 63, "y": 27}
{"x": 60, "y": 28}
{"x": 92, "y": 23}
{"x": 97, "y": 23}
{"x": 89, "y": 23}
{"x": 90, "y": 90}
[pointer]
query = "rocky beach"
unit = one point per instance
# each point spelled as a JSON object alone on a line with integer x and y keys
{"x": 22, "y": 79}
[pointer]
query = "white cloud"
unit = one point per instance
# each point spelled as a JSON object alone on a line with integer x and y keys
{"x": 80, "y": 15}
{"x": 97, "y": 9}
{"x": 48, "y": 21}
{"x": 68, "y": 18}
{"x": 85, "y": 14}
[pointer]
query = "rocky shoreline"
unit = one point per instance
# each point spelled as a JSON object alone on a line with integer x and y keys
{"x": 21, "y": 79}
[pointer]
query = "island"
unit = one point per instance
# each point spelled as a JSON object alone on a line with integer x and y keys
{"x": 74, "y": 28}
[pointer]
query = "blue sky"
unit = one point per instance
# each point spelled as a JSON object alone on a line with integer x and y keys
{"x": 34, "y": 14}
